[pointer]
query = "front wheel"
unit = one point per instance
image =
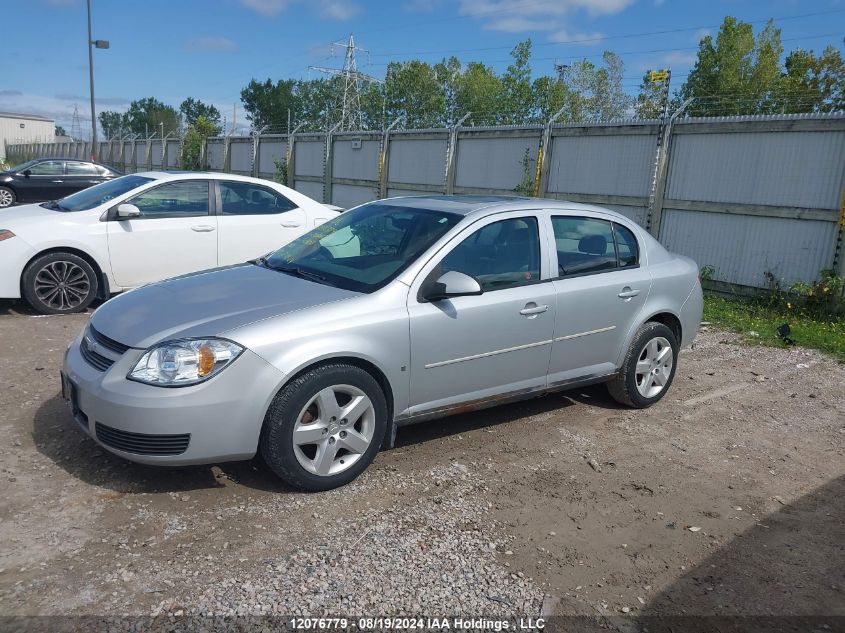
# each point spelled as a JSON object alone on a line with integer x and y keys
{"x": 325, "y": 427}
{"x": 648, "y": 368}
{"x": 7, "y": 197}
{"x": 59, "y": 283}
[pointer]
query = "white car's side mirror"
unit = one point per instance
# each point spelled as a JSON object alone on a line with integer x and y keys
{"x": 126, "y": 211}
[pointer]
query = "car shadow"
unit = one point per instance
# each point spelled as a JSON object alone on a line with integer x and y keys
{"x": 57, "y": 436}
{"x": 22, "y": 308}
{"x": 785, "y": 573}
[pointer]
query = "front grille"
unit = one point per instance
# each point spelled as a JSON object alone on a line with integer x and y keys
{"x": 108, "y": 343}
{"x": 99, "y": 362}
{"x": 142, "y": 443}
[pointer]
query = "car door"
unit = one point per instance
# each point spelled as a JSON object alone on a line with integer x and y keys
{"x": 474, "y": 348}
{"x": 254, "y": 220}
{"x": 175, "y": 234}
{"x": 80, "y": 175}
{"x": 42, "y": 181}
{"x": 601, "y": 289}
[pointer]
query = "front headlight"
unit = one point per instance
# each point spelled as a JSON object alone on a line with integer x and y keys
{"x": 184, "y": 362}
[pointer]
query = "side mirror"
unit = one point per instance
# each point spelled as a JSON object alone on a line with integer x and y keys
{"x": 452, "y": 284}
{"x": 126, "y": 211}
{"x": 27, "y": 173}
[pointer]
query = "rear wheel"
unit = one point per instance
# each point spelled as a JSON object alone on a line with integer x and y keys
{"x": 7, "y": 197}
{"x": 648, "y": 368}
{"x": 59, "y": 283}
{"x": 325, "y": 427}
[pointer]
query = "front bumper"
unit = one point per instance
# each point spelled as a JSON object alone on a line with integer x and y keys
{"x": 14, "y": 255}
{"x": 221, "y": 417}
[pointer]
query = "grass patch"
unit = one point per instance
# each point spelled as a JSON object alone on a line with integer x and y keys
{"x": 748, "y": 316}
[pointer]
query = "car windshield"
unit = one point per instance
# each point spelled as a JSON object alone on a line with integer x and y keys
{"x": 362, "y": 249}
{"x": 19, "y": 168}
{"x": 98, "y": 194}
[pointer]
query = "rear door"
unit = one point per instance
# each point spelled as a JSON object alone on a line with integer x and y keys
{"x": 600, "y": 290}
{"x": 45, "y": 181}
{"x": 80, "y": 175}
{"x": 175, "y": 234}
{"x": 254, "y": 220}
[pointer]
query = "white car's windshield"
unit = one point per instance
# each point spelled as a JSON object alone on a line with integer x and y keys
{"x": 365, "y": 248}
{"x": 98, "y": 194}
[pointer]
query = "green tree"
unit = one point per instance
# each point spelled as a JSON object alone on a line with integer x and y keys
{"x": 268, "y": 104}
{"x": 192, "y": 109}
{"x": 60, "y": 131}
{"x": 413, "y": 91}
{"x": 477, "y": 89}
{"x": 114, "y": 124}
{"x": 813, "y": 84}
{"x": 736, "y": 73}
{"x": 516, "y": 100}
{"x": 150, "y": 116}
{"x": 649, "y": 103}
{"x": 193, "y": 141}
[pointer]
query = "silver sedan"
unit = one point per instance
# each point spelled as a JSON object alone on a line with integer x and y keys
{"x": 395, "y": 312}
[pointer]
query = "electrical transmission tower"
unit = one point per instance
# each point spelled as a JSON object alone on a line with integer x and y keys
{"x": 75, "y": 125}
{"x": 350, "y": 107}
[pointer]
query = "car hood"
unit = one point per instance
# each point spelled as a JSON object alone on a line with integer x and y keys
{"x": 25, "y": 214}
{"x": 207, "y": 304}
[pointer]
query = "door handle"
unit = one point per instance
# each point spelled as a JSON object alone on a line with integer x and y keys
{"x": 628, "y": 293}
{"x": 58, "y": 181}
{"x": 202, "y": 228}
{"x": 291, "y": 224}
{"x": 532, "y": 309}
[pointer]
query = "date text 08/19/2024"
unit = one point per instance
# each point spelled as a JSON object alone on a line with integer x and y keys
{"x": 419, "y": 623}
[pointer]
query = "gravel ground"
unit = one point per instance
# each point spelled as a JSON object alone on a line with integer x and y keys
{"x": 726, "y": 498}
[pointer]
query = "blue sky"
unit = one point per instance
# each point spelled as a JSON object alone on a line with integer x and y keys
{"x": 210, "y": 49}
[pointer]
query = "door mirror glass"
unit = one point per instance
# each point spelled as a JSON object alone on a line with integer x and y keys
{"x": 27, "y": 172}
{"x": 453, "y": 284}
{"x": 126, "y": 211}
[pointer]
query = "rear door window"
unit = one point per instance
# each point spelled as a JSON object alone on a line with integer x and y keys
{"x": 584, "y": 245}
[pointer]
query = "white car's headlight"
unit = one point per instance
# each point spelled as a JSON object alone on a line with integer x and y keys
{"x": 184, "y": 362}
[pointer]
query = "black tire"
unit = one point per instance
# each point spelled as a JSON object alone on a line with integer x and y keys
{"x": 623, "y": 388}
{"x": 80, "y": 289}
{"x": 7, "y": 198}
{"x": 276, "y": 442}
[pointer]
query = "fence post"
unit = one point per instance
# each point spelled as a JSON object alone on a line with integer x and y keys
{"x": 654, "y": 213}
{"x": 149, "y": 153}
{"x": 541, "y": 186}
{"x": 256, "y": 154}
{"x": 384, "y": 159}
{"x": 839, "y": 251}
{"x": 227, "y": 149}
{"x": 327, "y": 166}
{"x": 290, "y": 159}
{"x": 451, "y": 155}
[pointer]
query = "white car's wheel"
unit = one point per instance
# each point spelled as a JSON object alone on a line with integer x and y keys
{"x": 59, "y": 283}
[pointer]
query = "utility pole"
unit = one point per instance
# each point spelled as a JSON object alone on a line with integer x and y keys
{"x": 91, "y": 45}
{"x": 351, "y": 117}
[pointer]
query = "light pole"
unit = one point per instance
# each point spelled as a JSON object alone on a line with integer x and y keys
{"x": 91, "y": 45}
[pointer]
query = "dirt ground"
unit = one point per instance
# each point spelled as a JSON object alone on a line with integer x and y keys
{"x": 726, "y": 498}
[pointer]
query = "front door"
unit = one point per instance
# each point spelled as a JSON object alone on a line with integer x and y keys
{"x": 476, "y": 348}
{"x": 601, "y": 290}
{"x": 175, "y": 234}
{"x": 255, "y": 220}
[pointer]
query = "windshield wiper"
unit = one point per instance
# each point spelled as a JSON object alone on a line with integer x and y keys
{"x": 294, "y": 270}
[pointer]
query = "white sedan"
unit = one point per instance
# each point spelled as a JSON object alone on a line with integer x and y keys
{"x": 141, "y": 228}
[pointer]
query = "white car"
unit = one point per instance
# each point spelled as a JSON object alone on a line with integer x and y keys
{"x": 141, "y": 228}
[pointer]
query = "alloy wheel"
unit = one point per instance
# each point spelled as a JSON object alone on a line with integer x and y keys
{"x": 654, "y": 367}
{"x": 334, "y": 430}
{"x": 62, "y": 285}
{"x": 6, "y": 198}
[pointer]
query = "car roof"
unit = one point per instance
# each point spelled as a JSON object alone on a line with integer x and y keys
{"x": 484, "y": 205}
{"x": 175, "y": 174}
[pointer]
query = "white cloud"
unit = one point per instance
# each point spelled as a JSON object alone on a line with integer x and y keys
{"x": 588, "y": 39}
{"x": 266, "y": 7}
{"x": 338, "y": 9}
{"x": 333, "y": 9}
{"x": 519, "y": 16}
{"x": 210, "y": 45}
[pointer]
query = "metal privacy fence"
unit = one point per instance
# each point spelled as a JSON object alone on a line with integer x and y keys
{"x": 746, "y": 196}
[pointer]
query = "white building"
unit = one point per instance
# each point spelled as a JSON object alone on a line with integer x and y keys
{"x": 24, "y": 128}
